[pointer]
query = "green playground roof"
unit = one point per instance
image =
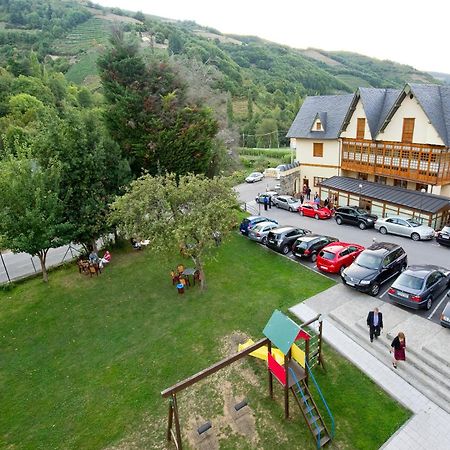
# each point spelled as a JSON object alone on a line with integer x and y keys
{"x": 281, "y": 331}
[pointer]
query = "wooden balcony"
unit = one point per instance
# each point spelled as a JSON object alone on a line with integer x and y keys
{"x": 428, "y": 164}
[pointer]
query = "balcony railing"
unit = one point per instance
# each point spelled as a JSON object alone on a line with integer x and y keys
{"x": 414, "y": 162}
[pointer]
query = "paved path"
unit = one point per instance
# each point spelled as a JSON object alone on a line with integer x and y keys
{"x": 429, "y": 427}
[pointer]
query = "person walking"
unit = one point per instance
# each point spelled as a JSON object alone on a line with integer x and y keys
{"x": 398, "y": 347}
{"x": 266, "y": 202}
{"x": 308, "y": 193}
{"x": 375, "y": 323}
{"x": 270, "y": 202}
{"x": 302, "y": 198}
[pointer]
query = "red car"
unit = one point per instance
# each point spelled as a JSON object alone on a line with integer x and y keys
{"x": 335, "y": 257}
{"x": 311, "y": 209}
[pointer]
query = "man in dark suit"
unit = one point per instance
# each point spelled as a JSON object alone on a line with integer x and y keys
{"x": 375, "y": 323}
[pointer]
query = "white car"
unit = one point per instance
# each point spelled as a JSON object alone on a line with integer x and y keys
{"x": 404, "y": 227}
{"x": 255, "y": 176}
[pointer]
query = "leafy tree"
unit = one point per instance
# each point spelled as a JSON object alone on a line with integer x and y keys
{"x": 31, "y": 212}
{"x": 191, "y": 215}
{"x": 140, "y": 16}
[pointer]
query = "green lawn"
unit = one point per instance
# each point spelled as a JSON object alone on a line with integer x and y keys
{"x": 83, "y": 360}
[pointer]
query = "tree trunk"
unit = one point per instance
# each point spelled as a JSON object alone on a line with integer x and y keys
{"x": 42, "y": 255}
{"x": 94, "y": 245}
{"x": 199, "y": 266}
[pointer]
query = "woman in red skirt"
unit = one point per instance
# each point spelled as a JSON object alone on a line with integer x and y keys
{"x": 398, "y": 347}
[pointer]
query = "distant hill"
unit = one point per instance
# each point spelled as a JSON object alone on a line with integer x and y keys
{"x": 443, "y": 77}
{"x": 265, "y": 80}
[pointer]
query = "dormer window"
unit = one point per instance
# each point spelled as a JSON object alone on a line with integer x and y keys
{"x": 319, "y": 126}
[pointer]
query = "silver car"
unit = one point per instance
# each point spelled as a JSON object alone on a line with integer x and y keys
{"x": 287, "y": 202}
{"x": 255, "y": 176}
{"x": 404, "y": 227}
{"x": 260, "y": 231}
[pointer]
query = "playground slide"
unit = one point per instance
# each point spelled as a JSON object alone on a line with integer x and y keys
{"x": 261, "y": 353}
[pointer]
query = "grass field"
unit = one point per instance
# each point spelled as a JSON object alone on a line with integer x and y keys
{"x": 84, "y": 359}
{"x": 85, "y": 68}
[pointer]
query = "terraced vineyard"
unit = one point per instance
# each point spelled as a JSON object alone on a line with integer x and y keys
{"x": 84, "y": 37}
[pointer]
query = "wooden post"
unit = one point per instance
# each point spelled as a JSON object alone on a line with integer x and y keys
{"x": 269, "y": 348}
{"x": 306, "y": 360}
{"x": 287, "y": 358}
{"x": 177, "y": 421}
{"x": 170, "y": 421}
{"x": 320, "y": 345}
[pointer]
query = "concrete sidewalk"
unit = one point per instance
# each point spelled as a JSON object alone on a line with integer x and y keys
{"x": 429, "y": 428}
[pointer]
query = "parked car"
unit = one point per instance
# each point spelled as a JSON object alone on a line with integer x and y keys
{"x": 268, "y": 194}
{"x": 250, "y": 221}
{"x": 309, "y": 246}
{"x": 445, "y": 316}
{"x": 287, "y": 202}
{"x": 443, "y": 236}
{"x": 282, "y": 238}
{"x": 354, "y": 215}
{"x": 404, "y": 227}
{"x": 260, "y": 231}
{"x": 418, "y": 286}
{"x": 335, "y": 257}
{"x": 311, "y": 209}
{"x": 374, "y": 266}
{"x": 255, "y": 176}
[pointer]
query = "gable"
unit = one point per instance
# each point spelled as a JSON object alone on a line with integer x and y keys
{"x": 424, "y": 130}
{"x": 352, "y": 126}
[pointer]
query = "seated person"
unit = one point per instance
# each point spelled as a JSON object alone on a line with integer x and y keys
{"x": 105, "y": 260}
{"x": 93, "y": 257}
{"x": 135, "y": 244}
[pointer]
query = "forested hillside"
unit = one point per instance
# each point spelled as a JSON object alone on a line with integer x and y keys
{"x": 265, "y": 82}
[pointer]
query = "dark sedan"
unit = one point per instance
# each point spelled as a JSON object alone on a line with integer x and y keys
{"x": 281, "y": 239}
{"x": 418, "y": 286}
{"x": 443, "y": 236}
{"x": 310, "y": 245}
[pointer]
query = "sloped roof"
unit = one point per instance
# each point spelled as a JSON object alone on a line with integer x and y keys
{"x": 281, "y": 331}
{"x": 332, "y": 108}
{"x": 390, "y": 194}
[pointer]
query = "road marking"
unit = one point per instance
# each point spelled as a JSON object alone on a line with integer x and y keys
{"x": 384, "y": 293}
{"x": 437, "y": 306}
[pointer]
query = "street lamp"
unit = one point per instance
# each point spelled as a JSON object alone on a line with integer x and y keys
{"x": 422, "y": 191}
{"x": 360, "y": 191}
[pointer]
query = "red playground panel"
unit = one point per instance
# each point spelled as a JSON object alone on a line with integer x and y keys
{"x": 303, "y": 335}
{"x": 276, "y": 369}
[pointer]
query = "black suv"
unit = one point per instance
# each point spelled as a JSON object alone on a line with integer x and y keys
{"x": 282, "y": 238}
{"x": 354, "y": 216}
{"x": 374, "y": 266}
{"x": 309, "y": 246}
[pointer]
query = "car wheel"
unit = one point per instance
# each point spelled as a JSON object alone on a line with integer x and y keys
{"x": 382, "y": 230}
{"x": 316, "y": 216}
{"x": 362, "y": 226}
{"x": 375, "y": 288}
{"x": 429, "y": 303}
{"x": 264, "y": 240}
{"x": 285, "y": 250}
{"x": 415, "y": 237}
{"x": 314, "y": 257}
{"x": 338, "y": 220}
{"x": 301, "y": 212}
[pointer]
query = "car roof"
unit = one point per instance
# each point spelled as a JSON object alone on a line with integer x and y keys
{"x": 310, "y": 237}
{"x": 266, "y": 222}
{"x": 423, "y": 269}
{"x": 283, "y": 228}
{"x": 287, "y": 196}
{"x": 338, "y": 246}
{"x": 382, "y": 247}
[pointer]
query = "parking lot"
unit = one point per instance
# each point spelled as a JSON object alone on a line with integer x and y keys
{"x": 421, "y": 252}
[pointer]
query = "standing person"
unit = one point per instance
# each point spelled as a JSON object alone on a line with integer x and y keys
{"x": 375, "y": 323}
{"x": 398, "y": 346}
{"x": 270, "y": 202}
{"x": 302, "y": 198}
{"x": 316, "y": 198}
{"x": 266, "y": 202}
{"x": 326, "y": 202}
{"x": 308, "y": 193}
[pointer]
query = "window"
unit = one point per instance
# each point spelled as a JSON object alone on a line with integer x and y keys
{"x": 318, "y": 149}
{"x": 380, "y": 180}
{"x": 318, "y": 180}
{"x": 420, "y": 186}
{"x": 362, "y": 176}
{"x": 400, "y": 183}
{"x": 360, "y": 128}
{"x": 318, "y": 126}
{"x": 408, "y": 130}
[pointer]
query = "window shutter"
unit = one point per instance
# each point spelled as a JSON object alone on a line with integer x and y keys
{"x": 318, "y": 149}
{"x": 360, "y": 128}
{"x": 408, "y": 130}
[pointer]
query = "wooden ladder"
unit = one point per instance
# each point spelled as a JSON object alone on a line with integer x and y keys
{"x": 311, "y": 413}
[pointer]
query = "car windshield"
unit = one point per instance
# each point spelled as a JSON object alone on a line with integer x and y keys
{"x": 409, "y": 281}
{"x": 413, "y": 222}
{"x": 302, "y": 244}
{"x": 254, "y": 174}
{"x": 327, "y": 255}
{"x": 368, "y": 260}
{"x": 361, "y": 210}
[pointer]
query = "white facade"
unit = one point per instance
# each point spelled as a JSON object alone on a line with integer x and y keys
{"x": 359, "y": 113}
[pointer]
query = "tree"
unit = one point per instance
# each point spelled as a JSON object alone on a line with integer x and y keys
{"x": 31, "y": 212}
{"x": 191, "y": 215}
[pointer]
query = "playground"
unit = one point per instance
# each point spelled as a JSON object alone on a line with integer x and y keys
{"x": 84, "y": 364}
